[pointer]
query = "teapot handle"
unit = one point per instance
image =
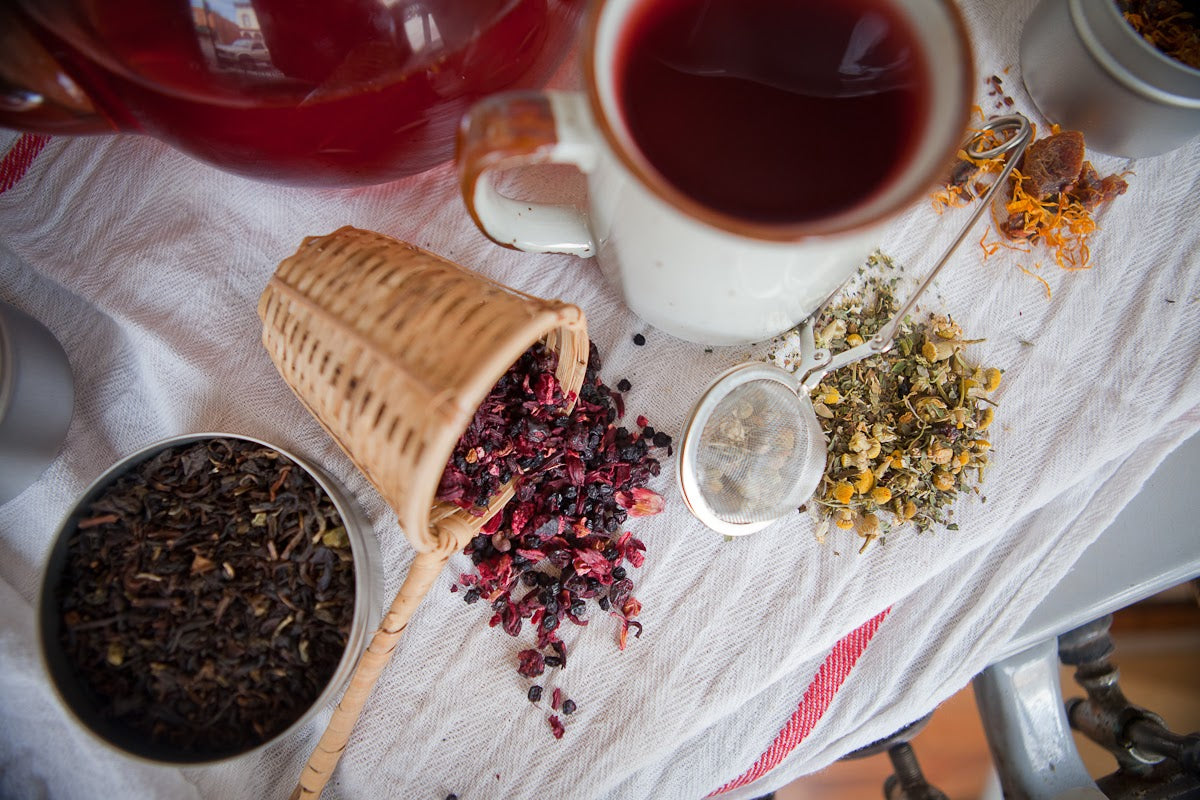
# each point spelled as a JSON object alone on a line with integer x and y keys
{"x": 36, "y": 93}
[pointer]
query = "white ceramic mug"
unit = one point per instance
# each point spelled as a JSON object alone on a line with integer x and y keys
{"x": 683, "y": 267}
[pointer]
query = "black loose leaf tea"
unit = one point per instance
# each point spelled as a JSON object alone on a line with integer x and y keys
{"x": 207, "y": 596}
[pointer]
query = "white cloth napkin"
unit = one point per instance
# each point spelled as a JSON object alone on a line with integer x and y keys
{"x": 766, "y": 657}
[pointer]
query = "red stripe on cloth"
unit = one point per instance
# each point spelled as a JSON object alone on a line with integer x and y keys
{"x": 17, "y": 160}
{"x": 817, "y": 698}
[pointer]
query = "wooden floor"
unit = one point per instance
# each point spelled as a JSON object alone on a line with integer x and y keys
{"x": 1158, "y": 654}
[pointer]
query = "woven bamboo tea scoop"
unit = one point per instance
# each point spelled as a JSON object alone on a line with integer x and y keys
{"x": 392, "y": 349}
{"x": 753, "y": 450}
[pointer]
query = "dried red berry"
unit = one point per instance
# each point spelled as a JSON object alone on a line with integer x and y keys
{"x": 532, "y": 663}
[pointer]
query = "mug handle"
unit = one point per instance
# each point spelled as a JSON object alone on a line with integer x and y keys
{"x": 517, "y": 129}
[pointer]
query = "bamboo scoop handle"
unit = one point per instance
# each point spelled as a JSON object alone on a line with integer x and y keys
{"x": 426, "y": 566}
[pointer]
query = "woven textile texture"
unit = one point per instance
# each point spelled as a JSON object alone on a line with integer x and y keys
{"x": 763, "y": 658}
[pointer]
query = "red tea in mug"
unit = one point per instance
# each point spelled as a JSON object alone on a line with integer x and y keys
{"x": 773, "y": 111}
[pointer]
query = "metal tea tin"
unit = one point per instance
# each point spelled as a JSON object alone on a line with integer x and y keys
{"x": 1087, "y": 69}
{"x": 368, "y": 609}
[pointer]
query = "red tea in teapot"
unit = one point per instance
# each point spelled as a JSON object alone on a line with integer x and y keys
{"x": 302, "y": 91}
{"x": 774, "y": 111}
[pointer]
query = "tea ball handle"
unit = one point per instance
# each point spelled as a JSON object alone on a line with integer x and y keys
{"x": 519, "y": 129}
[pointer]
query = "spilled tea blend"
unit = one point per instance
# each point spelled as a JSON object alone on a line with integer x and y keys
{"x": 557, "y": 547}
{"x": 207, "y": 597}
{"x": 907, "y": 429}
{"x": 510, "y": 434}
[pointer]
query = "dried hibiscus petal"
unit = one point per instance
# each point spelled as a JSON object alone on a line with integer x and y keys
{"x": 623, "y": 636}
{"x": 631, "y": 549}
{"x": 561, "y": 650}
{"x": 641, "y": 502}
{"x": 620, "y": 592}
{"x": 556, "y": 726}
{"x": 589, "y": 562}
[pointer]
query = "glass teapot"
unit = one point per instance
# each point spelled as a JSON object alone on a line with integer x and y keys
{"x": 304, "y": 92}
